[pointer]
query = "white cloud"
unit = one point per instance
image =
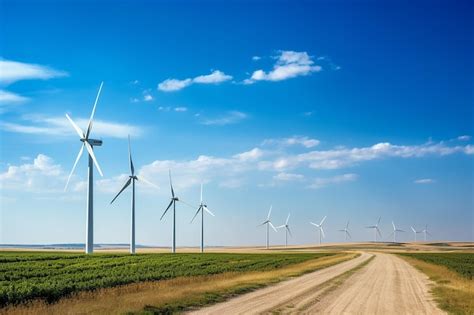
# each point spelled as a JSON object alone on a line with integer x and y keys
{"x": 256, "y": 58}
{"x": 59, "y": 126}
{"x": 288, "y": 177}
{"x": 180, "y": 109}
{"x": 251, "y": 155}
{"x": 147, "y": 98}
{"x": 289, "y": 64}
{"x": 170, "y": 85}
{"x": 295, "y": 140}
{"x": 323, "y": 182}
{"x": 464, "y": 138}
{"x": 231, "y": 117}
{"x": 11, "y": 98}
{"x": 424, "y": 181}
{"x": 12, "y": 71}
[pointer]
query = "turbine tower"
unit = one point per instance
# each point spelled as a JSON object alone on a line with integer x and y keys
{"x": 425, "y": 231}
{"x": 131, "y": 180}
{"x": 415, "y": 231}
{"x": 320, "y": 228}
{"x": 287, "y": 229}
{"x": 173, "y": 201}
{"x": 376, "y": 229}
{"x": 202, "y": 208}
{"x": 346, "y": 231}
{"x": 395, "y": 230}
{"x": 89, "y": 144}
{"x": 268, "y": 222}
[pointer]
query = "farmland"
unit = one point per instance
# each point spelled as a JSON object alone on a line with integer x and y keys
{"x": 51, "y": 276}
{"x": 462, "y": 263}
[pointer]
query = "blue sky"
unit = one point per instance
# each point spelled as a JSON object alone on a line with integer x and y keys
{"x": 350, "y": 109}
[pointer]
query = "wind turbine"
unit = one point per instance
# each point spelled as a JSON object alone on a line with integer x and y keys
{"x": 131, "y": 180}
{"x": 268, "y": 223}
{"x": 89, "y": 144}
{"x": 376, "y": 229}
{"x": 320, "y": 227}
{"x": 425, "y": 231}
{"x": 346, "y": 231}
{"x": 395, "y": 230}
{"x": 415, "y": 231}
{"x": 173, "y": 201}
{"x": 202, "y": 208}
{"x": 287, "y": 229}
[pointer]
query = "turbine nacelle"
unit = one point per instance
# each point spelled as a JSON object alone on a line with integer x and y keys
{"x": 92, "y": 142}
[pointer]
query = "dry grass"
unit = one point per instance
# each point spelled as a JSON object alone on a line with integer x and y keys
{"x": 452, "y": 292}
{"x": 174, "y": 294}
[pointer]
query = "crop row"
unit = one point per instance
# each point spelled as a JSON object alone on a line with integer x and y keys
{"x": 27, "y": 276}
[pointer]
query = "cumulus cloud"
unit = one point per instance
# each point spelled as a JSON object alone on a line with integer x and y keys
{"x": 288, "y": 177}
{"x": 294, "y": 140}
{"x": 464, "y": 138}
{"x": 231, "y": 117}
{"x": 256, "y": 58}
{"x": 147, "y": 98}
{"x": 12, "y": 71}
{"x": 289, "y": 64}
{"x": 425, "y": 181}
{"x": 170, "y": 85}
{"x": 181, "y": 109}
{"x": 323, "y": 182}
{"x": 59, "y": 126}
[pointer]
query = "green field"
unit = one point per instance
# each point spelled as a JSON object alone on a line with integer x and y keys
{"x": 50, "y": 276}
{"x": 462, "y": 263}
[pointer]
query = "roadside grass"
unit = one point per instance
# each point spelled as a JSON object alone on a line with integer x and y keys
{"x": 452, "y": 273}
{"x": 180, "y": 293}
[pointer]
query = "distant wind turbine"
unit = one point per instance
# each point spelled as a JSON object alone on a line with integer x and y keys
{"x": 268, "y": 222}
{"x": 425, "y": 231}
{"x": 394, "y": 232}
{"x": 89, "y": 145}
{"x": 287, "y": 229}
{"x": 415, "y": 232}
{"x": 320, "y": 228}
{"x": 346, "y": 231}
{"x": 173, "y": 201}
{"x": 131, "y": 180}
{"x": 202, "y": 208}
{"x": 376, "y": 229}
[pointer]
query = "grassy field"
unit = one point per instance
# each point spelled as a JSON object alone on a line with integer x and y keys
{"x": 452, "y": 273}
{"x": 51, "y": 276}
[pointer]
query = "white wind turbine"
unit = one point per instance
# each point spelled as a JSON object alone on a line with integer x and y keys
{"x": 415, "y": 231}
{"x": 89, "y": 144}
{"x": 202, "y": 208}
{"x": 268, "y": 222}
{"x": 346, "y": 231}
{"x": 395, "y": 231}
{"x": 173, "y": 201}
{"x": 376, "y": 229}
{"x": 320, "y": 228}
{"x": 425, "y": 231}
{"x": 131, "y": 180}
{"x": 287, "y": 229}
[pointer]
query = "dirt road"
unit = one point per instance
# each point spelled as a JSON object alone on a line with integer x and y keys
{"x": 386, "y": 285}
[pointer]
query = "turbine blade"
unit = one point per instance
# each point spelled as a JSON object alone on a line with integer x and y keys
{"x": 414, "y": 231}
{"x": 195, "y": 215}
{"x": 171, "y": 184}
{"x": 322, "y": 221}
{"x": 269, "y": 212}
{"x": 280, "y": 226}
{"x": 273, "y": 227}
{"x": 201, "y": 193}
{"x": 264, "y": 222}
{"x": 322, "y": 232}
{"x": 89, "y": 126}
{"x": 289, "y": 231}
{"x": 143, "y": 179}
{"x": 287, "y": 219}
{"x": 378, "y": 231}
{"x": 314, "y": 224}
{"x": 171, "y": 202}
{"x": 347, "y": 225}
{"x": 78, "y": 130}
{"x": 74, "y": 166}
{"x": 208, "y": 211}
{"x": 393, "y": 224}
{"x": 132, "y": 169}
{"x": 378, "y": 222}
{"x": 91, "y": 153}
{"x": 187, "y": 204}
{"x": 349, "y": 234}
{"x": 127, "y": 183}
